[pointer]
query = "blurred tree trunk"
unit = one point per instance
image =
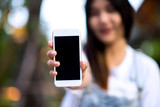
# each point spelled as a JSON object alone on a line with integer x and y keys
{"x": 29, "y": 79}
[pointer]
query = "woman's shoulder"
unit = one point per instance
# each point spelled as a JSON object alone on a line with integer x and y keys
{"x": 146, "y": 68}
{"x": 144, "y": 61}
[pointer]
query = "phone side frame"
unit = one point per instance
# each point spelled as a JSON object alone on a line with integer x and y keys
{"x": 67, "y": 32}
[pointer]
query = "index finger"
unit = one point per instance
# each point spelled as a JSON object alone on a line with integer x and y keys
{"x": 50, "y": 43}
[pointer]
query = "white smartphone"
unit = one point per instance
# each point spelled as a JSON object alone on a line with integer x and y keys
{"x": 67, "y": 43}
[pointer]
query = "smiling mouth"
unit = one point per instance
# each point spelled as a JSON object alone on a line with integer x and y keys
{"x": 105, "y": 31}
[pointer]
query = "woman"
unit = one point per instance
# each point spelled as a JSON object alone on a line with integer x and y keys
{"x": 118, "y": 76}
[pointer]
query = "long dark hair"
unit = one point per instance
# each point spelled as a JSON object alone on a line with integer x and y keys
{"x": 95, "y": 49}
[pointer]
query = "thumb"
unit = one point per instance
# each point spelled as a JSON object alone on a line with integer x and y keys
{"x": 83, "y": 65}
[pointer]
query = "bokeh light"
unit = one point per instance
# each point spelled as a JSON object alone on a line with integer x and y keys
{"x": 18, "y": 17}
{"x": 17, "y": 3}
{"x": 19, "y": 34}
{"x": 11, "y": 93}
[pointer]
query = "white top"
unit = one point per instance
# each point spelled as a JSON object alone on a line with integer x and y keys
{"x": 135, "y": 65}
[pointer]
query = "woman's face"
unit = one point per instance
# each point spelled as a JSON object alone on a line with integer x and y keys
{"x": 105, "y": 22}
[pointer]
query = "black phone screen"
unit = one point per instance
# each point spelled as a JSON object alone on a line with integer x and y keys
{"x": 67, "y": 48}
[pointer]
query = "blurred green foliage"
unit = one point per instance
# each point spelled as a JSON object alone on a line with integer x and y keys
{"x": 14, "y": 44}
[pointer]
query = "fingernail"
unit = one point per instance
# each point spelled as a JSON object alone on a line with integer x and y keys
{"x": 53, "y": 52}
{"x": 53, "y": 73}
{"x": 49, "y": 62}
{"x": 56, "y": 63}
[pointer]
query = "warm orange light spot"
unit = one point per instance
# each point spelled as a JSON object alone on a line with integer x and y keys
{"x": 13, "y": 94}
{"x": 139, "y": 49}
{"x": 19, "y": 34}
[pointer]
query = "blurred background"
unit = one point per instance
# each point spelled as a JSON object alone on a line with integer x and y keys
{"x": 25, "y": 28}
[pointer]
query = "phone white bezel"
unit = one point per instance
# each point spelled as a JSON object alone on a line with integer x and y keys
{"x": 67, "y": 32}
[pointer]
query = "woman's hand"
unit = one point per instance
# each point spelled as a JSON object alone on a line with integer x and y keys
{"x": 51, "y": 63}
